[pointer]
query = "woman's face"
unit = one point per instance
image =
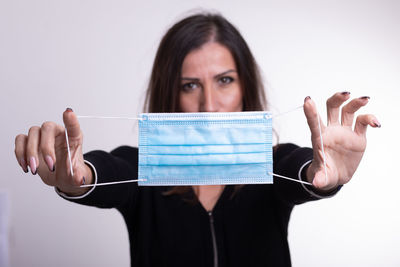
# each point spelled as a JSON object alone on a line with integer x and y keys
{"x": 210, "y": 81}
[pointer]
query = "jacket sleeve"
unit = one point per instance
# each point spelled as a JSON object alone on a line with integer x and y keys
{"x": 292, "y": 161}
{"x": 118, "y": 165}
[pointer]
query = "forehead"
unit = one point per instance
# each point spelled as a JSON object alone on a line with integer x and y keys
{"x": 210, "y": 58}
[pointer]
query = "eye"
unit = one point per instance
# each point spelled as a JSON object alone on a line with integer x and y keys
{"x": 187, "y": 87}
{"x": 226, "y": 80}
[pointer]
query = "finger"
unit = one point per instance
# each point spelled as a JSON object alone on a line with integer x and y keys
{"x": 320, "y": 180}
{"x": 363, "y": 121}
{"x": 32, "y": 146}
{"x": 74, "y": 132}
{"x": 20, "y": 144}
{"x": 333, "y": 106}
{"x": 79, "y": 177}
{"x": 49, "y": 131}
{"x": 349, "y": 109}
{"x": 324, "y": 182}
{"x": 71, "y": 124}
{"x": 310, "y": 110}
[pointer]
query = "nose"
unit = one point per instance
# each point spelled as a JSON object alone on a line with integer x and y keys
{"x": 208, "y": 99}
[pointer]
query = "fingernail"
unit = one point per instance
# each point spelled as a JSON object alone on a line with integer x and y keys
{"x": 306, "y": 99}
{"x": 23, "y": 165}
{"x": 83, "y": 180}
{"x": 32, "y": 164}
{"x": 69, "y": 109}
{"x": 50, "y": 163}
{"x": 377, "y": 124}
{"x": 345, "y": 93}
{"x": 365, "y": 97}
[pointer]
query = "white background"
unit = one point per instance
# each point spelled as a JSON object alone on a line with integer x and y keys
{"x": 95, "y": 56}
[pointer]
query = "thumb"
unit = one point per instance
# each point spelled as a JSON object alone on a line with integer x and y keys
{"x": 71, "y": 123}
{"x": 320, "y": 180}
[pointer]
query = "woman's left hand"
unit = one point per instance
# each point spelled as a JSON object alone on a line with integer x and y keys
{"x": 343, "y": 145}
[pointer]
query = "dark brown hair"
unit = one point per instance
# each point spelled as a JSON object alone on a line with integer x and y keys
{"x": 187, "y": 35}
{"x": 182, "y": 38}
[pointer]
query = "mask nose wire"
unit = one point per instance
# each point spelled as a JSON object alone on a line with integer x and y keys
{"x": 322, "y": 148}
{"x": 141, "y": 118}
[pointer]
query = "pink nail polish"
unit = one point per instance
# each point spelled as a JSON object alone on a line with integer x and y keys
{"x": 49, "y": 162}
{"x": 32, "y": 165}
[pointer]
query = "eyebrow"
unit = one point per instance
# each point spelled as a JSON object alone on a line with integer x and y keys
{"x": 216, "y": 76}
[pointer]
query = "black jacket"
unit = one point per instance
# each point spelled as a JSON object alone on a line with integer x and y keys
{"x": 248, "y": 228}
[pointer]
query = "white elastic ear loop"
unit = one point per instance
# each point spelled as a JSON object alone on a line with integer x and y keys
{"x": 109, "y": 117}
{"x": 288, "y": 178}
{"x": 278, "y": 175}
{"x": 138, "y": 118}
{"x": 111, "y": 183}
{"x": 322, "y": 148}
{"x": 69, "y": 151}
{"x": 286, "y": 112}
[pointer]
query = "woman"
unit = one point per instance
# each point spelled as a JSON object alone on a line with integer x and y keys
{"x": 203, "y": 64}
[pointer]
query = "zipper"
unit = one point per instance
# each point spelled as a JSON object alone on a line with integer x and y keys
{"x": 214, "y": 239}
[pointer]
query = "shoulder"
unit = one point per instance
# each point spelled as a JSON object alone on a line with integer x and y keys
{"x": 125, "y": 153}
{"x": 281, "y": 150}
{"x": 125, "y": 150}
{"x": 291, "y": 155}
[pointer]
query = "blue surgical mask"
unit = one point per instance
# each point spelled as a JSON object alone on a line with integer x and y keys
{"x": 205, "y": 148}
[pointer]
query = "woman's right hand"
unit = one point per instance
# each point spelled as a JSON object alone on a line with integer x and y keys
{"x": 44, "y": 150}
